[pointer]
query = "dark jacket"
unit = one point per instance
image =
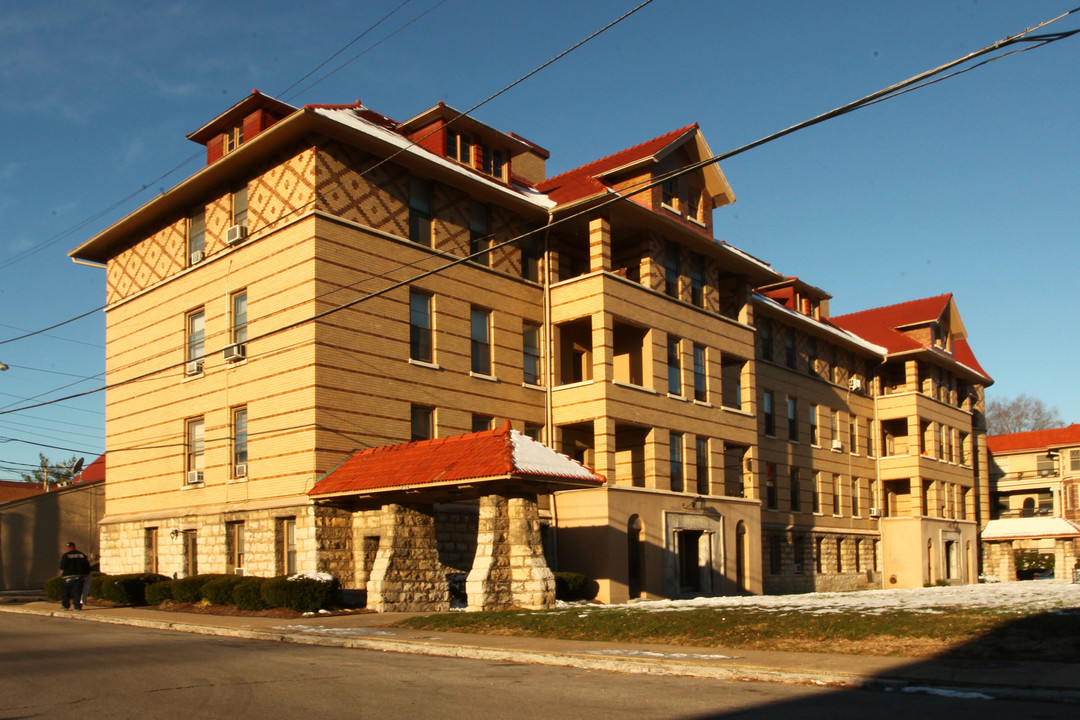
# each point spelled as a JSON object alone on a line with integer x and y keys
{"x": 74, "y": 562}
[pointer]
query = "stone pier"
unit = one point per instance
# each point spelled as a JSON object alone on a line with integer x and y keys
{"x": 509, "y": 569}
{"x": 407, "y": 575}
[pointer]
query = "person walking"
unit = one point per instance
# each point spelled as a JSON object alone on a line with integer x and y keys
{"x": 74, "y": 567}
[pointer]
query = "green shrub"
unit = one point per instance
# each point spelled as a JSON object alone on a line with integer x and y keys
{"x": 128, "y": 589}
{"x": 301, "y": 594}
{"x": 159, "y": 592}
{"x": 189, "y": 589}
{"x": 96, "y": 580}
{"x": 219, "y": 590}
{"x": 247, "y": 595}
{"x": 53, "y": 589}
{"x": 569, "y": 586}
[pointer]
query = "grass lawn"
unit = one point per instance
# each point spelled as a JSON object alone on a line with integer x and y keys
{"x": 962, "y": 633}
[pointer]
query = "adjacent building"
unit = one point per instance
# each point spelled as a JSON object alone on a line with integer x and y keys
{"x": 334, "y": 281}
{"x": 1035, "y": 509}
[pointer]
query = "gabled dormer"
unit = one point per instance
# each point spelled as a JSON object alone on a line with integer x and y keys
{"x": 447, "y": 133}
{"x": 240, "y": 124}
{"x": 687, "y": 198}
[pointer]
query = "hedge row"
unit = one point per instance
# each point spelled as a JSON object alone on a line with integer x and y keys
{"x": 302, "y": 594}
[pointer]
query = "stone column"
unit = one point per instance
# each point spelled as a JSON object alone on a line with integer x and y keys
{"x": 407, "y": 575}
{"x": 488, "y": 583}
{"x": 509, "y": 569}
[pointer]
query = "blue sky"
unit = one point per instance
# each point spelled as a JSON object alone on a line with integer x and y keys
{"x": 968, "y": 186}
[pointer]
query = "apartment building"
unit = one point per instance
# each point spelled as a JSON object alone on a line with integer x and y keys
{"x": 1035, "y": 477}
{"x": 334, "y": 281}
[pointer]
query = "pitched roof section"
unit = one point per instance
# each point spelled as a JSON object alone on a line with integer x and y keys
{"x": 882, "y": 326}
{"x": 16, "y": 490}
{"x": 1034, "y": 439}
{"x": 488, "y": 455}
{"x": 590, "y": 179}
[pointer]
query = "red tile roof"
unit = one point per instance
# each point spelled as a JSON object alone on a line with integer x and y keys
{"x": 1034, "y": 439}
{"x": 582, "y": 182}
{"x": 490, "y": 454}
{"x": 878, "y": 324}
{"x": 94, "y": 472}
{"x": 17, "y": 490}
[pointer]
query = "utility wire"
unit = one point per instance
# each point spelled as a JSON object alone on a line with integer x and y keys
{"x": 886, "y": 93}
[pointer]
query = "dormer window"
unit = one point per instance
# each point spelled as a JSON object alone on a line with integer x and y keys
{"x": 693, "y": 204}
{"x": 477, "y": 155}
{"x": 669, "y": 193}
{"x": 458, "y": 147}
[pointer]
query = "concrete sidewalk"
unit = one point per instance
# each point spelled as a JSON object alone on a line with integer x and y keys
{"x": 1058, "y": 682}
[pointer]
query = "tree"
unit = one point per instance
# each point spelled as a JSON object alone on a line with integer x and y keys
{"x": 58, "y": 474}
{"x": 1019, "y": 414}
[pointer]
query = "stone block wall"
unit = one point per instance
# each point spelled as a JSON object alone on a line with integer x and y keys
{"x": 407, "y": 575}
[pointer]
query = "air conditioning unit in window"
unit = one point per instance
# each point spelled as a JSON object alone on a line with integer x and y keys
{"x": 194, "y": 477}
{"x": 875, "y": 512}
{"x": 239, "y": 571}
{"x": 240, "y": 471}
{"x": 235, "y": 234}
{"x": 855, "y": 384}
{"x": 837, "y": 445}
{"x": 232, "y": 353}
{"x": 196, "y": 257}
{"x": 194, "y": 367}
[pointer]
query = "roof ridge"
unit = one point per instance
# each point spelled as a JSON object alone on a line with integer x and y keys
{"x": 943, "y": 296}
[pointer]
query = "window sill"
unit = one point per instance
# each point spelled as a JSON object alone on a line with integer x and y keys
{"x": 703, "y": 403}
{"x": 680, "y": 398}
{"x": 670, "y": 208}
{"x": 532, "y": 386}
{"x": 424, "y": 364}
{"x": 481, "y": 376}
{"x": 695, "y": 221}
{"x": 632, "y": 386}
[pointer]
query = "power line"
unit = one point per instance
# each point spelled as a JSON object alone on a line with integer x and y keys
{"x": 873, "y": 98}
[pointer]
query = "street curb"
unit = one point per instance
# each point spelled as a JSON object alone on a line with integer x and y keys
{"x": 589, "y": 661}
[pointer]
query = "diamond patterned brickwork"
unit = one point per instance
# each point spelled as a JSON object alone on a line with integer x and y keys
{"x": 282, "y": 192}
{"x": 154, "y": 259}
{"x": 451, "y": 224}
{"x": 505, "y": 225}
{"x": 218, "y": 220}
{"x": 377, "y": 198}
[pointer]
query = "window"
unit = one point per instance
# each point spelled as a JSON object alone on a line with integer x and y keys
{"x": 530, "y": 353}
{"x": 811, "y": 355}
{"x": 420, "y": 211}
{"x": 702, "y": 459}
{"x": 196, "y": 236}
{"x": 693, "y": 204}
{"x": 767, "y": 412}
{"x": 196, "y": 336}
{"x": 458, "y": 147}
{"x": 793, "y": 419}
{"x": 835, "y": 494}
{"x": 675, "y": 444}
{"x": 776, "y": 548}
{"x": 233, "y": 138}
{"x": 795, "y": 488}
{"x": 239, "y": 317}
{"x": 240, "y": 206}
{"x": 770, "y": 486}
{"x": 869, "y": 437}
{"x": 481, "y": 341}
{"x": 765, "y": 335}
{"x": 697, "y": 280}
{"x": 853, "y": 439}
{"x": 421, "y": 346}
{"x": 813, "y": 424}
{"x": 479, "y": 231}
{"x": 234, "y": 548}
{"x": 701, "y": 392}
{"x": 669, "y": 192}
{"x": 240, "y": 442}
{"x": 286, "y": 555}
{"x": 671, "y": 269}
{"x": 674, "y": 367}
{"x": 815, "y": 494}
{"x": 195, "y": 445}
{"x": 789, "y": 349}
{"x": 533, "y": 431}
{"x": 530, "y": 258}
{"x": 854, "y": 497}
{"x": 481, "y": 423}
{"x": 1074, "y": 457}
{"x": 191, "y": 553}
{"x": 422, "y": 420}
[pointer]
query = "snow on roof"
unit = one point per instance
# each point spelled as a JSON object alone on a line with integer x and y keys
{"x": 349, "y": 118}
{"x": 1030, "y": 527}
{"x": 487, "y": 455}
{"x": 828, "y": 329}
